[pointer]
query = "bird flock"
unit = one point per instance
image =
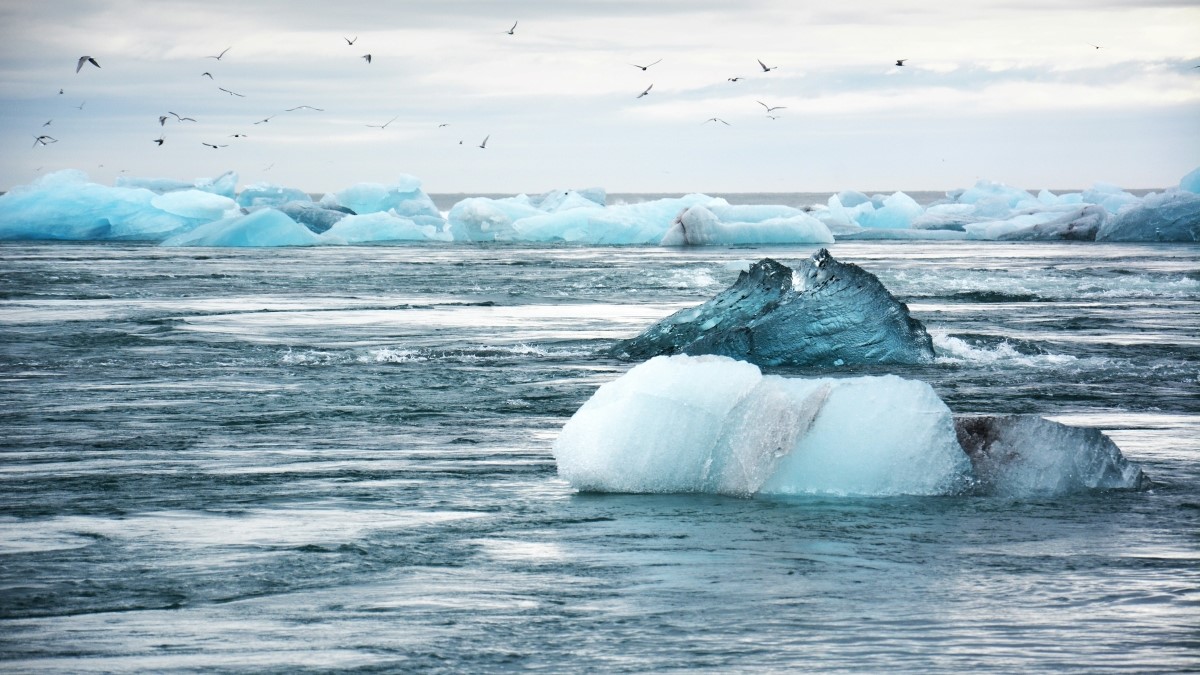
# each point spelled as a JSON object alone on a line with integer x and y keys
{"x": 771, "y": 111}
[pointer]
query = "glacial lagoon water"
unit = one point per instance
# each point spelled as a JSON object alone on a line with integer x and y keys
{"x": 315, "y": 459}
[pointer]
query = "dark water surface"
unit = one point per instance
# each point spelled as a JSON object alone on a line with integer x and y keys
{"x": 339, "y": 458}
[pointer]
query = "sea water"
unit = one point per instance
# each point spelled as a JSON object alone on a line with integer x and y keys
{"x": 339, "y": 458}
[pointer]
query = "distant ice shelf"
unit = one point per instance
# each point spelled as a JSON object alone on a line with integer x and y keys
{"x": 65, "y": 205}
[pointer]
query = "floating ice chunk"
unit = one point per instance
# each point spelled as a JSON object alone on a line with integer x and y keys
{"x": 379, "y": 227}
{"x": 314, "y": 216}
{"x": 404, "y": 197}
{"x": 994, "y": 200}
{"x": 1191, "y": 182}
{"x": 641, "y": 223}
{"x": 750, "y": 213}
{"x": 1017, "y": 455}
{"x": 712, "y": 424}
{"x": 945, "y": 217}
{"x": 1109, "y": 196}
{"x": 224, "y": 185}
{"x": 1081, "y": 223}
{"x": 1167, "y": 216}
{"x": 483, "y": 219}
{"x": 196, "y": 204}
{"x": 823, "y": 311}
{"x": 698, "y": 226}
{"x": 995, "y": 229}
{"x": 265, "y": 227}
{"x": 895, "y": 212}
{"x": 64, "y": 205}
{"x": 266, "y": 194}
{"x": 850, "y": 198}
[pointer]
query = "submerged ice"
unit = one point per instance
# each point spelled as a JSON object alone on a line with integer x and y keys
{"x": 65, "y": 205}
{"x": 716, "y": 425}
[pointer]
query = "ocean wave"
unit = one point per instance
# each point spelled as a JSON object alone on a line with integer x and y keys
{"x": 956, "y": 351}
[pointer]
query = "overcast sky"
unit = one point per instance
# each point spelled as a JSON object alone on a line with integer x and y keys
{"x": 1009, "y": 90}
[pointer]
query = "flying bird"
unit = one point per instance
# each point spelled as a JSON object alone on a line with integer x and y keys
{"x": 349, "y": 41}
{"x": 514, "y": 27}
{"x": 214, "y": 147}
{"x": 208, "y": 75}
{"x": 181, "y": 119}
{"x": 1096, "y": 46}
{"x": 218, "y": 56}
{"x": 485, "y": 138}
{"x": 80, "y": 106}
{"x": 44, "y": 140}
{"x": 645, "y": 67}
{"x": 774, "y": 117}
{"x": 716, "y": 119}
{"x": 47, "y": 123}
{"x": 647, "y": 91}
{"x": 238, "y": 136}
{"x": 83, "y": 60}
{"x": 305, "y": 106}
{"x": 60, "y": 91}
{"x": 735, "y": 79}
{"x": 765, "y": 68}
{"x": 900, "y": 62}
{"x": 443, "y": 124}
{"x": 264, "y": 120}
{"x": 231, "y": 93}
{"x": 367, "y": 57}
{"x": 771, "y": 108}
{"x": 160, "y": 140}
{"x": 385, "y": 125}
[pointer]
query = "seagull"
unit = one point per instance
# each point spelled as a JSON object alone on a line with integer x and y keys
{"x": 485, "y": 138}
{"x": 385, "y": 125}
{"x": 1096, "y": 46}
{"x": 60, "y": 91}
{"x": 765, "y": 68}
{"x": 214, "y": 147}
{"x": 716, "y": 119}
{"x": 349, "y": 41}
{"x": 182, "y": 119}
{"x": 646, "y": 66}
{"x": 367, "y": 57}
{"x": 771, "y": 108}
{"x": 208, "y": 75}
{"x": 774, "y": 117}
{"x": 83, "y": 60}
{"x": 264, "y": 120}
{"x": 645, "y": 92}
{"x": 900, "y": 62}
{"x": 47, "y": 123}
{"x": 735, "y": 79}
{"x": 162, "y": 120}
{"x": 231, "y": 93}
{"x": 443, "y": 124}
{"x": 510, "y": 30}
{"x": 305, "y": 106}
{"x": 218, "y": 56}
{"x": 44, "y": 140}
{"x": 160, "y": 140}
{"x": 238, "y": 136}
{"x": 80, "y": 106}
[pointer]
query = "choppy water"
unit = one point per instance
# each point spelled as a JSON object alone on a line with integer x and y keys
{"x": 339, "y": 458}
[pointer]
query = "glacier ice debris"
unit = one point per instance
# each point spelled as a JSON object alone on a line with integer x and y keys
{"x": 824, "y": 312}
{"x": 711, "y": 424}
{"x": 65, "y": 205}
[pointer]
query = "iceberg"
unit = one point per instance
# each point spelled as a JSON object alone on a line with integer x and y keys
{"x": 1019, "y": 455}
{"x": 700, "y": 226}
{"x": 1079, "y": 224}
{"x": 314, "y": 216}
{"x": 380, "y": 227}
{"x": 224, "y": 185}
{"x": 265, "y": 227}
{"x": 824, "y": 313}
{"x": 265, "y": 194}
{"x": 484, "y": 219}
{"x": 622, "y": 224}
{"x": 1166, "y": 216}
{"x": 64, "y": 205}
{"x": 1191, "y": 182}
{"x": 713, "y": 424}
{"x": 404, "y": 198}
